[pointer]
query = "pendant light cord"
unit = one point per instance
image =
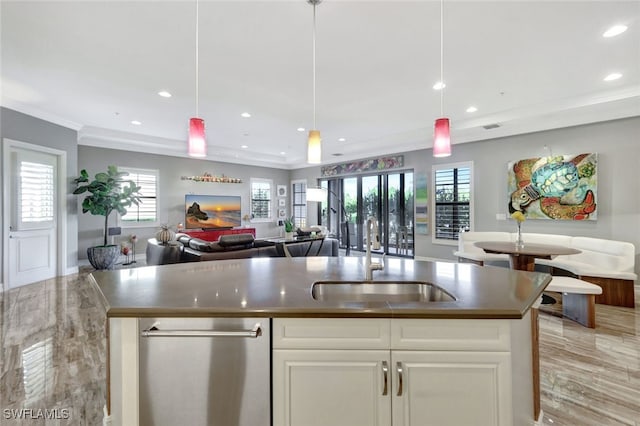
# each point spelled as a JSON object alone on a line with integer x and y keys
{"x": 197, "y": 54}
{"x": 314, "y": 66}
{"x": 442, "y": 58}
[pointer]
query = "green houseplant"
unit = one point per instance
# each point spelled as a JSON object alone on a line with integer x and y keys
{"x": 288, "y": 224}
{"x": 108, "y": 191}
{"x": 288, "y": 227}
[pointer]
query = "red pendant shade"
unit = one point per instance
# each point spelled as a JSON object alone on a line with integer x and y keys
{"x": 197, "y": 142}
{"x": 442, "y": 139}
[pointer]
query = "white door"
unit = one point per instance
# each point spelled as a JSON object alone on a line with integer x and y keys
{"x": 443, "y": 388}
{"x": 32, "y": 213}
{"x": 331, "y": 388}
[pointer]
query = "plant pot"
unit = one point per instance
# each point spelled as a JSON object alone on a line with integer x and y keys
{"x": 103, "y": 257}
{"x": 288, "y": 235}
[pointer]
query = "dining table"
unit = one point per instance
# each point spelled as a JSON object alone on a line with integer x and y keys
{"x": 523, "y": 257}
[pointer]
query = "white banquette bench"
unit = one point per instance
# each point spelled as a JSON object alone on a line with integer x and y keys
{"x": 606, "y": 263}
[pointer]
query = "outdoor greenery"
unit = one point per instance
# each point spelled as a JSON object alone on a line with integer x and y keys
{"x": 106, "y": 193}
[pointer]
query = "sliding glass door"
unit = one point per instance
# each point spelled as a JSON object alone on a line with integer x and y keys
{"x": 387, "y": 196}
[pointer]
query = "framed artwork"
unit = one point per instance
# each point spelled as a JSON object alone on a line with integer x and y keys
{"x": 281, "y": 190}
{"x": 282, "y": 213}
{"x": 560, "y": 187}
{"x": 282, "y": 202}
{"x": 369, "y": 165}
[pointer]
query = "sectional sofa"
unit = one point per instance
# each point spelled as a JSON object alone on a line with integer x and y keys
{"x": 238, "y": 246}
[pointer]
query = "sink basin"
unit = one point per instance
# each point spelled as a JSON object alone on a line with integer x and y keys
{"x": 379, "y": 291}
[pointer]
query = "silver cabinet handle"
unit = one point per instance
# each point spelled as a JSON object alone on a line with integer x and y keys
{"x": 399, "y": 370}
{"x": 155, "y": 332}
{"x": 385, "y": 377}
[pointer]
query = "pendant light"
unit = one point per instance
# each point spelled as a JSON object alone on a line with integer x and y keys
{"x": 197, "y": 144}
{"x": 314, "y": 143}
{"x": 441, "y": 134}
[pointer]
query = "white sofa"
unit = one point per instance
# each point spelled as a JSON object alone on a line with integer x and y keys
{"x": 607, "y": 263}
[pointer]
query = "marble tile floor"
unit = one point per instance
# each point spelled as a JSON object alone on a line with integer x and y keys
{"x": 52, "y": 357}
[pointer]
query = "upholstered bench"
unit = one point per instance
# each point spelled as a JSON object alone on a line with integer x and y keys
{"x": 607, "y": 263}
{"x": 578, "y": 299}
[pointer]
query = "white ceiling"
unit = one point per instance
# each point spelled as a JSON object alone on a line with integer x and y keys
{"x": 527, "y": 66}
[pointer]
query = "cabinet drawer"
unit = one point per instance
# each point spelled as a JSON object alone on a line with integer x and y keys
{"x": 331, "y": 333}
{"x": 447, "y": 335}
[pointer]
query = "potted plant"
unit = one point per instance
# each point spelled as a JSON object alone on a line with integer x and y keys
{"x": 288, "y": 228}
{"x": 107, "y": 192}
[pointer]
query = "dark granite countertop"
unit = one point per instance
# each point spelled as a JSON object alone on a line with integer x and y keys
{"x": 281, "y": 287}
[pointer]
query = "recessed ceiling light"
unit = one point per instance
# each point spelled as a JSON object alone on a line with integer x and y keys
{"x": 244, "y": 146}
{"x": 300, "y": 129}
{"x": 342, "y": 139}
{"x": 282, "y": 153}
{"x": 164, "y": 94}
{"x": 439, "y": 85}
{"x": 614, "y": 31}
{"x": 136, "y": 122}
{"x": 472, "y": 109}
{"x": 613, "y": 76}
{"x": 245, "y": 115}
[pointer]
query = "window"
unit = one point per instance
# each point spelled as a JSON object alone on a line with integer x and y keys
{"x": 261, "y": 200}
{"x": 299, "y": 196}
{"x": 452, "y": 201}
{"x": 145, "y": 213}
{"x": 36, "y": 194}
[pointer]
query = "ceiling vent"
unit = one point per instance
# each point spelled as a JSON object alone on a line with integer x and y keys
{"x": 491, "y": 126}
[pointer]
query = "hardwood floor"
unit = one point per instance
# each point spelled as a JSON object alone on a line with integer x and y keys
{"x": 591, "y": 376}
{"x": 52, "y": 356}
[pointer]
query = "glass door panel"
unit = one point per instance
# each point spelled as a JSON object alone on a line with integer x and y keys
{"x": 350, "y": 198}
{"x": 387, "y": 197}
{"x": 394, "y": 219}
{"x": 371, "y": 206}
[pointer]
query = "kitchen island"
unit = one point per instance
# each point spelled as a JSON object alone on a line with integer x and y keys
{"x": 479, "y": 347}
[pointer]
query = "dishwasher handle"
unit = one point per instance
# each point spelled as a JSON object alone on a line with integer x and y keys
{"x": 255, "y": 332}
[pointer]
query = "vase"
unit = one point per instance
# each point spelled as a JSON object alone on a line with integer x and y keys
{"x": 288, "y": 235}
{"x": 164, "y": 235}
{"x": 519, "y": 240}
{"x": 103, "y": 257}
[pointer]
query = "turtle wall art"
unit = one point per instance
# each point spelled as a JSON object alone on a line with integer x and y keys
{"x": 561, "y": 187}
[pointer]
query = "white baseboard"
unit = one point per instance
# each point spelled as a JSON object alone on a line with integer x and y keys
{"x": 71, "y": 270}
{"x": 433, "y": 259}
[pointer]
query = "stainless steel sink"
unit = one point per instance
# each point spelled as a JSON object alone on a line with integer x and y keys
{"x": 379, "y": 291}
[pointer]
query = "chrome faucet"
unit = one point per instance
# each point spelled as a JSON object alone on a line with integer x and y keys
{"x": 373, "y": 239}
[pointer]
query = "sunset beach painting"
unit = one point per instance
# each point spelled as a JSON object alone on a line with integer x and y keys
{"x": 212, "y": 211}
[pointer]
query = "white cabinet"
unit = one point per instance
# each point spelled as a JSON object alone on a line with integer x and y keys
{"x": 451, "y": 388}
{"x": 332, "y": 372}
{"x": 329, "y": 387}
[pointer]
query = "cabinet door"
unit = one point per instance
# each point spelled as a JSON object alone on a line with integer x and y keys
{"x": 442, "y": 388}
{"x": 331, "y": 388}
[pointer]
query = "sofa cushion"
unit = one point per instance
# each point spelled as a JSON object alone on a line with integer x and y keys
{"x": 183, "y": 238}
{"x": 236, "y": 240}
{"x": 206, "y": 246}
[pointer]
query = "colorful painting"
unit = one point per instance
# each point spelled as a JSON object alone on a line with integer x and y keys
{"x": 422, "y": 204}
{"x": 370, "y": 165}
{"x": 562, "y": 187}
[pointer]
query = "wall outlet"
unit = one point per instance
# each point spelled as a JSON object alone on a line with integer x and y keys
{"x": 501, "y": 216}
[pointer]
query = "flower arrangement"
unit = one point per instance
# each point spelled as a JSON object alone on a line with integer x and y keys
{"x": 124, "y": 248}
{"x": 519, "y": 217}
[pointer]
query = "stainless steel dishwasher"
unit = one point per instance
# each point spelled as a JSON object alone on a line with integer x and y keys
{"x": 205, "y": 371}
